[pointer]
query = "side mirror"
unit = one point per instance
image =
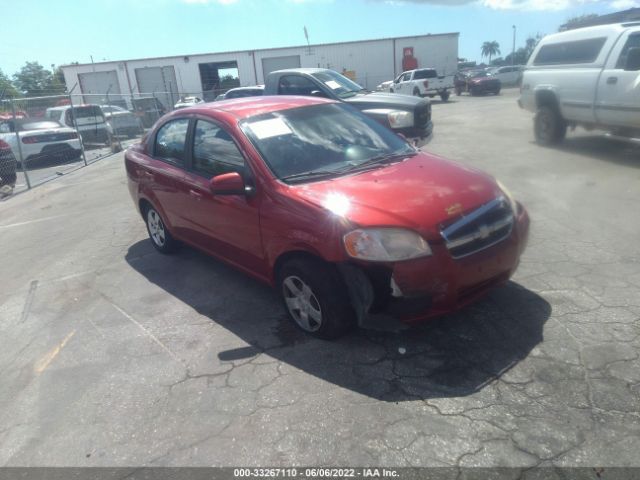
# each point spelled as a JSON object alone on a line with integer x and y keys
{"x": 633, "y": 60}
{"x": 227, "y": 184}
{"x": 318, "y": 93}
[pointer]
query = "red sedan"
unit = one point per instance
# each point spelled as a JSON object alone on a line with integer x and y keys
{"x": 338, "y": 213}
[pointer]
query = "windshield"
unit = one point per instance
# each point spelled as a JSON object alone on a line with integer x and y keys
{"x": 339, "y": 84}
{"x": 332, "y": 139}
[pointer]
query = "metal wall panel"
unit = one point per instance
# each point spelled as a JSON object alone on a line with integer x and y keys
{"x": 160, "y": 81}
{"x": 98, "y": 83}
{"x": 271, "y": 64}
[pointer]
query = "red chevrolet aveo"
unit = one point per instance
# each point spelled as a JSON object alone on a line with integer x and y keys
{"x": 341, "y": 215}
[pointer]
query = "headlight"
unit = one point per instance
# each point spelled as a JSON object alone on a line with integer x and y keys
{"x": 385, "y": 244}
{"x": 507, "y": 193}
{"x": 398, "y": 119}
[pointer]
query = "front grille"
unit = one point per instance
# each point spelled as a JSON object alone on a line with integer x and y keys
{"x": 480, "y": 229}
{"x": 422, "y": 114}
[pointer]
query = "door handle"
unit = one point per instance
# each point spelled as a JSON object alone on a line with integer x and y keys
{"x": 612, "y": 80}
{"x": 195, "y": 194}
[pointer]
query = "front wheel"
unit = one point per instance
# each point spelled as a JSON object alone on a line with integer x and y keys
{"x": 549, "y": 126}
{"x": 316, "y": 298}
{"x": 160, "y": 237}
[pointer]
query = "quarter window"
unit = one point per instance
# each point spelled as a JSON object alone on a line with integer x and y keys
{"x": 570, "y": 53}
{"x": 214, "y": 151}
{"x": 171, "y": 141}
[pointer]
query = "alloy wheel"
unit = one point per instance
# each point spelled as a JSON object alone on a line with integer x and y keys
{"x": 156, "y": 228}
{"x": 302, "y": 303}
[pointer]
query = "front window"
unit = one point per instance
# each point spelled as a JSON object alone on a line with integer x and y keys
{"x": 214, "y": 151}
{"x": 632, "y": 42}
{"x": 339, "y": 84}
{"x": 319, "y": 141}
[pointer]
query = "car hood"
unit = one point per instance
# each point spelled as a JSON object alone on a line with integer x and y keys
{"x": 385, "y": 100}
{"x": 420, "y": 193}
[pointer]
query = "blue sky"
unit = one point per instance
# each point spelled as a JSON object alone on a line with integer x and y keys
{"x": 73, "y": 30}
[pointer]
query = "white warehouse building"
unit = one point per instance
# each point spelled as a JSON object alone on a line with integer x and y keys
{"x": 368, "y": 62}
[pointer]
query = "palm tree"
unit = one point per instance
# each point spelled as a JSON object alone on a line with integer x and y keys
{"x": 489, "y": 49}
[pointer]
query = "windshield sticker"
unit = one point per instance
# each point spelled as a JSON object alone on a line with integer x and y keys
{"x": 332, "y": 84}
{"x": 270, "y": 128}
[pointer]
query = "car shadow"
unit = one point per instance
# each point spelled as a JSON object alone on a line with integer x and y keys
{"x": 600, "y": 147}
{"x": 455, "y": 355}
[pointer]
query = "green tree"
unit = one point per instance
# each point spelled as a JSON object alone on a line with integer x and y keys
{"x": 33, "y": 80}
{"x": 578, "y": 22}
{"x": 522, "y": 54}
{"x": 6, "y": 87}
{"x": 489, "y": 49}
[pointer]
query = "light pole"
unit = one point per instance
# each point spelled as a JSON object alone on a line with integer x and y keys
{"x": 513, "y": 52}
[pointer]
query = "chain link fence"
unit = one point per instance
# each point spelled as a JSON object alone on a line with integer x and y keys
{"x": 45, "y": 137}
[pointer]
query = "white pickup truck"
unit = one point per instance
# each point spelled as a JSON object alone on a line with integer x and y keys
{"x": 423, "y": 82}
{"x": 588, "y": 77}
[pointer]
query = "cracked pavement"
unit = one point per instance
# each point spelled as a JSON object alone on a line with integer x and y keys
{"x": 113, "y": 355}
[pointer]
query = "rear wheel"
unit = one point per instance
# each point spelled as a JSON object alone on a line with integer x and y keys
{"x": 316, "y": 298}
{"x": 416, "y": 92}
{"x": 158, "y": 233}
{"x": 444, "y": 96}
{"x": 549, "y": 126}
{"x": 458, "y": 91}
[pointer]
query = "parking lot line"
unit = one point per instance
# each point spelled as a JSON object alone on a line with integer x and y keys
{"x": 45, "y": 361}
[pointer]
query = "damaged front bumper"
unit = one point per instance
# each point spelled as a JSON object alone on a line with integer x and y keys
{"x": 416, "y": 290}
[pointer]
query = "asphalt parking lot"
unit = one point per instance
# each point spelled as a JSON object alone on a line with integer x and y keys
{"x": 113, "y": 355}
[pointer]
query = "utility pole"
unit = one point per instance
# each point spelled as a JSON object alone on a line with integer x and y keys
{"x": 306, "y": 35}
{"x": 513, "y": 52}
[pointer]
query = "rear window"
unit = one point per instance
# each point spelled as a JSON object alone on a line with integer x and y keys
{"x": 571, "y": 53}
{"x": 82, "y": 112}
{"x": 422, "y": 74}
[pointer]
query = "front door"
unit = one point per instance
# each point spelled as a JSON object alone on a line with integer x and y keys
{"x": 227, "y": 226}
{"x": 618, "y": 98}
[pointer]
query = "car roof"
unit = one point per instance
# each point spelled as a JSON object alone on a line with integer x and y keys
{"x": 241, "y": 108}
{"x": 585, "y": 33}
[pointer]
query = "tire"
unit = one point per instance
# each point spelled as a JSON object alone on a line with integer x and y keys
{"x": 549, "y": 126}
{"x": 458, "y": 91}
{"x": 444, "y": 96}
{"x": 316, "y": 298}
{"x": 416, "y": 92}
{"x": 159, "y": 235}
{"x": 497, "y": 92}
{"x": 391, "y": 90}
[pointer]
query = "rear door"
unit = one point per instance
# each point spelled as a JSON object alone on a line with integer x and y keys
{"x": 225, "y": 225}
{"x": 164, "y": 174}
{"x": 618, "y": 96}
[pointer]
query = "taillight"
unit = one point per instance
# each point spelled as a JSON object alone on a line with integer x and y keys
{"x": 29, "y": 139}
{"x": 73, "y": 135}
{"x": 4, "y": 144}
{"x": 426, "y": 84}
